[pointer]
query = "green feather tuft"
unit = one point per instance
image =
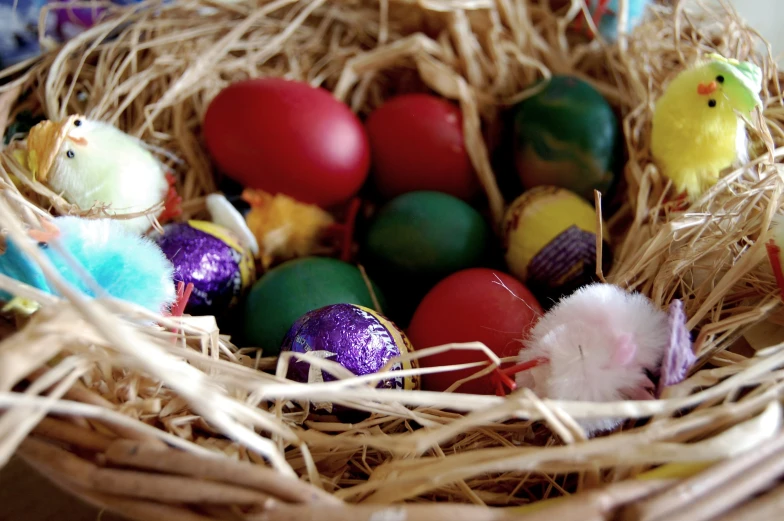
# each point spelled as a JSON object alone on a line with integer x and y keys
{"x": 745, "y": 92}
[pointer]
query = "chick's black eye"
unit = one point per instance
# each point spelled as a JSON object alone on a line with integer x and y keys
{"x": 712, "y": 103}
{"x": 78, "y": 123}
{"x": 720, "y": 78}
{"x": 43, "y": 245}
{"x": 70, "y": 154}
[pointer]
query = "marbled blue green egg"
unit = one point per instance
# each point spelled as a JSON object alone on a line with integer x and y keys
{"x": 567, "y": 135}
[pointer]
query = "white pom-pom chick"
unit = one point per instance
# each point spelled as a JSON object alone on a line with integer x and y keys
{"x": 90, "y": 162}
{"x": 596, "y": 345}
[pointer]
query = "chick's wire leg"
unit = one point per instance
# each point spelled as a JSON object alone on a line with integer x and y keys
{"x": 345, "y": 230}
{"x": 774, "y": 256}
{"x": 172, "y": 204}
{"x": 183, "y": 296}
{"x": 502, "y": 377}
{"x": 178, "y": 308}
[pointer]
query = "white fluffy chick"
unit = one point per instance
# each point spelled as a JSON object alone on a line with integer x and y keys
{"x": 596, "y": 345}
{"x": 90, "y": 162}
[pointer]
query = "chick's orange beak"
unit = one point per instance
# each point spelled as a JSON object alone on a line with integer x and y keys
{"x": 78, "y": 140}
{"x": 710, "y": 88}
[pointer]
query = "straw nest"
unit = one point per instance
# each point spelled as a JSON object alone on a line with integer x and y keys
{"x": 105, "y": 397}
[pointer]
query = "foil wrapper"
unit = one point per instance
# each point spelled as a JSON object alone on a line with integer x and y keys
{"x": 356, "y": 337}
{"x": 211, "y": 258}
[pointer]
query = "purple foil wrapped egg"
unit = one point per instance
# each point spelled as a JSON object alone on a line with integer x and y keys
{"x": 81, "y": 16}
{"x": 213, "y": 259}
{"x": 356, "y": 337}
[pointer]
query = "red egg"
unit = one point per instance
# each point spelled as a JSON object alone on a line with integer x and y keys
{"x": 470, "y": 306}
{"x": 416, "y": 141}
{"x": 287, "y": 137}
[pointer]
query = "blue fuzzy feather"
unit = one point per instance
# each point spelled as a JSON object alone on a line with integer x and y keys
{"x": 126, "y": 266}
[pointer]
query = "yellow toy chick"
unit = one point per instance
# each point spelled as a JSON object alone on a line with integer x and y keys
{"x": 696, "y": 131}
{"x": 91, "y": 163}
{"x": 284, "y": 227}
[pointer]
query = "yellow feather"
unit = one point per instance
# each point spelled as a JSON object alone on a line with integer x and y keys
{"x": 21, "y": 306}
{"x": 284, "y": 228}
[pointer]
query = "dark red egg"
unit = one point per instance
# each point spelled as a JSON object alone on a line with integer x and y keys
{"x": 472, "y": 306}
{"x": 288, "y": 137}
{"x": 416, "y": 141}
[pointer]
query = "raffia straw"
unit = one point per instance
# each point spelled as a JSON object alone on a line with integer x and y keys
{"x": 711, "y": 492}
{"x": 154, "y": 80}
{"x": 766, "y": 507}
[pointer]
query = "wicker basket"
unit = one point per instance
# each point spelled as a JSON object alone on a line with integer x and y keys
{"x": 124, "y": 418}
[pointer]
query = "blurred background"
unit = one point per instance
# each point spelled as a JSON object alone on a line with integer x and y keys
{"x": 766, "y": 16}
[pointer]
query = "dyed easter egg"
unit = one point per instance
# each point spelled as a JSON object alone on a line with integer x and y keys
{"x": 294, "y": 288}
{"x": 416, "y": 142}
{"x": 549, "y": 236}
{"x": 213, "y": 259}
{"x": 356, "y": 337}
{"x": 287, "y": 137}
{"x": 426, "y": 234}
{"x": 475, "y": 305}
{"x": 566, "y": 135}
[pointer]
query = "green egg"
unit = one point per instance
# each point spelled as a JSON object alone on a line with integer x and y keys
{"x": 294, "y": 288}
{"x": 426, "y": 235}
{"x": 567, "y": 135}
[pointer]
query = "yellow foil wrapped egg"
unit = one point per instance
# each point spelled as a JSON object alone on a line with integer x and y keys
{"x": 550, "y": 242}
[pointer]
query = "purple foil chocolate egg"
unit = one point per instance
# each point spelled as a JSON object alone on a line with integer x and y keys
{"x": 211, "y": 258}
{"x": 82, "y": 16}
{"x": 356, "y": 337}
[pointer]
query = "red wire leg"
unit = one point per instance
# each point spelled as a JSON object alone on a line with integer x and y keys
{"x": 345, "y": 230}
{"x": 183, "y": 296}
{"x": 172, "y": 204}
{"x": 774, "y": 255}
{"x": 503, "y": 378}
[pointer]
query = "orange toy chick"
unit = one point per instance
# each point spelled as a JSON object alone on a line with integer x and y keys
{"x": 284, "y": 227}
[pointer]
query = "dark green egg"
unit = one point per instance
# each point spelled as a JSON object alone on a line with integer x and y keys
{"x": 294, "y": 288}
{"x": 426, "y": 235}
{"x": 567, "y": 135}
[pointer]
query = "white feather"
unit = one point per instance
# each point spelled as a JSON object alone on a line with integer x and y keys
{"x": 580, "y": 336}
{"x": 110, "y": 169}
{"x": 742, "y": 143}
{"x": 224, "y": 214}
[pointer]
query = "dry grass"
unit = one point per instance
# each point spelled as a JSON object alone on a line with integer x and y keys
{"x": 200, "y": 393}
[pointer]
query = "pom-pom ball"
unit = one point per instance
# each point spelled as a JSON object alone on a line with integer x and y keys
{"x": 123, "y": 264}
{"x": 475, "y": 305}
{"x": 358, "y": 338}
{"x": 567, "y": 135}
{"x": 549, "y": 235}
{"x": 213, "y": 259}
{"x": 598, "y": 344}
{"x": 294, "y": 288}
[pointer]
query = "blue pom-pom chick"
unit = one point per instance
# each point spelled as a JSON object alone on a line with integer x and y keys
{"x": 125, "y": 265}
